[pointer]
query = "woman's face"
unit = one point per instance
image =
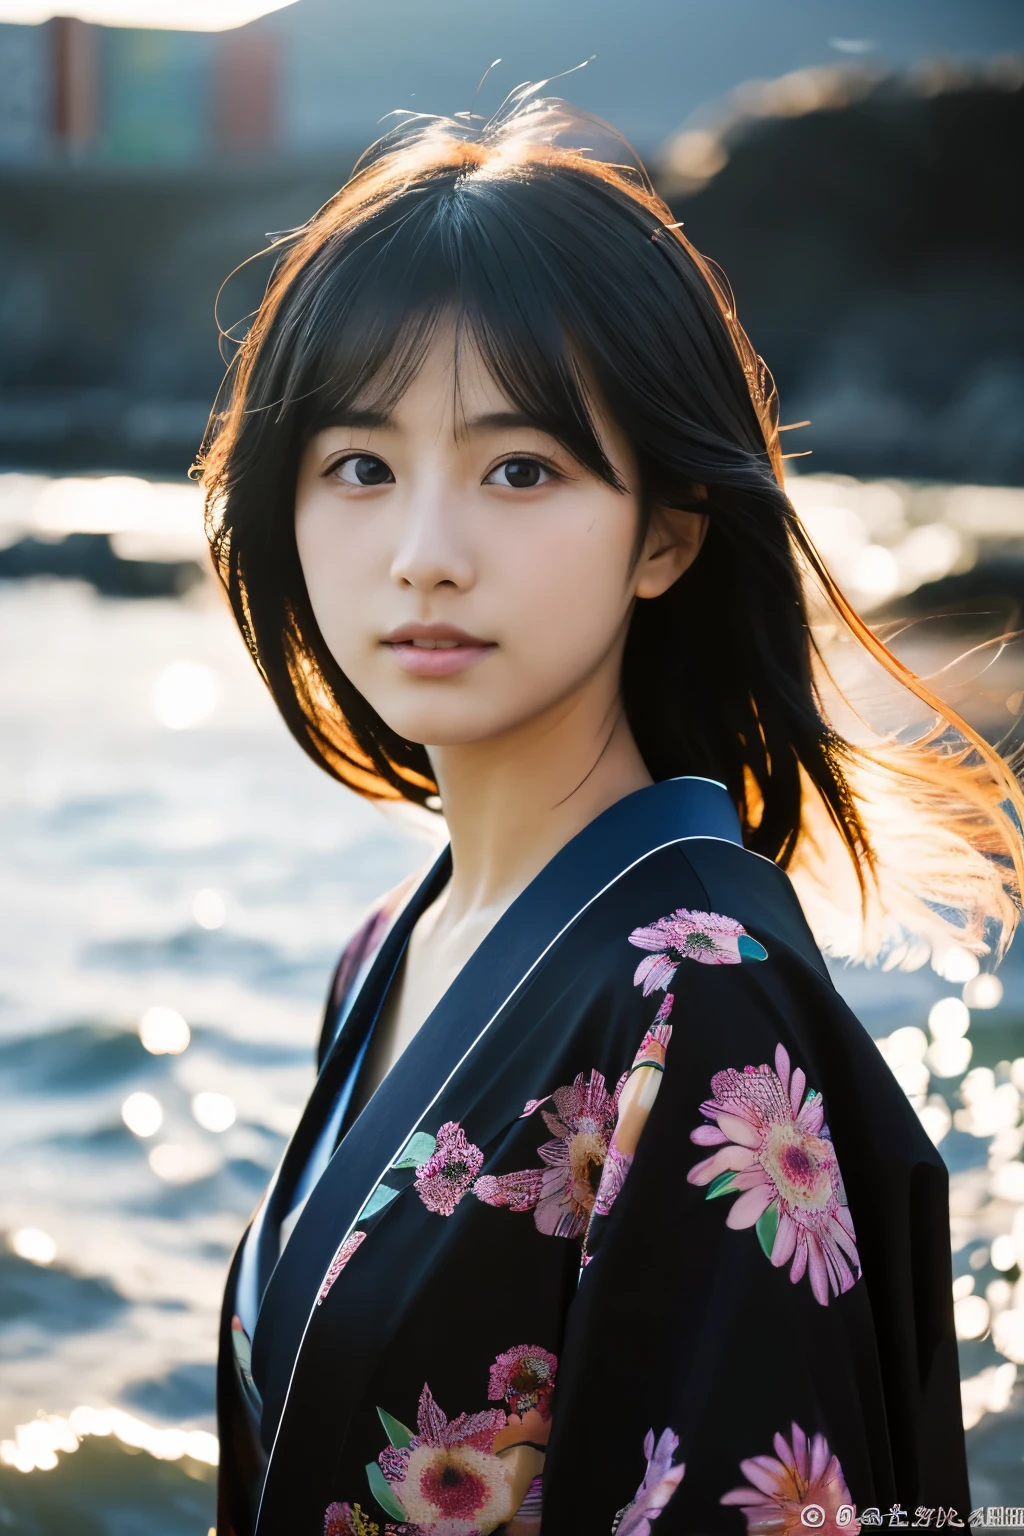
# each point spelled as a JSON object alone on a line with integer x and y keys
{"x": 467, "y": 575}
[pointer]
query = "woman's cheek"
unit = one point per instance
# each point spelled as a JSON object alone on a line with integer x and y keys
{"x": 569, "y": 606}
{"x": 346, "y": 580}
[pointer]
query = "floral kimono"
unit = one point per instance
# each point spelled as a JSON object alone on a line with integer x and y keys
{"x": 639, "y": 1230}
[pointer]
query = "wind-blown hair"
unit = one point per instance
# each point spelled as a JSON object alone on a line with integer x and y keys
{"x": 558, "y": 261}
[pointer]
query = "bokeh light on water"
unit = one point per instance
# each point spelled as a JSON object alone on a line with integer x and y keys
{"x": 185, "y": 694}
{"x": 164, "y": 1032}
{"x": 142, "y": 1114}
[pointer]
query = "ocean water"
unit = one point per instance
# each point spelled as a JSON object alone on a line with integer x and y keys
{"x": 166, "y": 845}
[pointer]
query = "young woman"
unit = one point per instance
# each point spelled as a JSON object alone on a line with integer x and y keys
{"x": 604, "y": 1209}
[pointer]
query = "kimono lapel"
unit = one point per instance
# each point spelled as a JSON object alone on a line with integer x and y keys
{"x": 340, "y": 1065}
{"x": 652, "y": 818}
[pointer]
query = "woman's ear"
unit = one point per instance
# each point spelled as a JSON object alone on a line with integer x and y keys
{"x": 673, "y": 543}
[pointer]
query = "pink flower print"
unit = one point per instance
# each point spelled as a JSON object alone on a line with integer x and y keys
{"x": 519, "y": 1191}
{"x": 613, "y": 1176}
{"x": 707, "y": 937}
{"x": 561, "y": 1194}
{"x": 445, "y": 1177}
{"x": 779, "y": 1155}
{"x": 348, "y": 1520}
{"x": 804, "y": 1481}
{"x": 660, "y": 1482}
{"x": 524, "y": 1378}
{"x": 341, "y": 1258}
{"x": 582, "y": 1124}
{"x": 447, "y": 1480}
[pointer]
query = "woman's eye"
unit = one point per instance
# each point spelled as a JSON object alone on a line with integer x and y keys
{"x": 363, "y": 469}
{"x": 520, "y": 474}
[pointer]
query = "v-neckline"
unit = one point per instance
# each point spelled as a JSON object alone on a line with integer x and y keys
{"x": 358, "y": 1101}
{"x": 629, "y": 830}
{"x": 352, "y": 1041}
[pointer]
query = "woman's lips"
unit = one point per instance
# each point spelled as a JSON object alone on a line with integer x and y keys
{"x": 437, "y": 655}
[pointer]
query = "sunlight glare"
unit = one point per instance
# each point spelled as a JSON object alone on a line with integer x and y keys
{"x": 185, "y": 694}
{"x": 33, "y": 1244}
{"x": 949, "y": 1018}
{"x": 936, "y": 1118}
{"x": 1004, "y": 1251}
{"x": 208, "y": 909}
{"x": 1008, "y": 1334}
{"x": 142, "y": 1114}
{"x": 213, "y": 1111}
{"x": 1007, "y": 1182}
{"x": 875, "y": 572}
{"x": 175, "y": 15}
{"x": 177, "y": 1164}
{"x": 35, "y": 1444}
{"x": 988, "y": 1392}
{"x": 971, "y": 1317}
{"x": 950, "y": 1056}
{"x": 955, "y": 964}
{"x": 984, "y": 991}
{"x": 164, "y": 1032}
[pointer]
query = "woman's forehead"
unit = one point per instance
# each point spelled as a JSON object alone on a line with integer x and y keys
{"x": 454, "y": 393}
{"x": 456, "y": 362}
{"x": 452, "y": 386}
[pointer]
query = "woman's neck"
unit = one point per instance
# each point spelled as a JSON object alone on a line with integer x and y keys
{"x": 512, "y": 803}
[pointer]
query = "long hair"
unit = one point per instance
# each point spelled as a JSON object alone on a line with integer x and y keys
{"x": 569, "y": 274}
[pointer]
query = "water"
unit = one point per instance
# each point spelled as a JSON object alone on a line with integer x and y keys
{"x": 142, "y": 764}
{"x": 111, "y": 823}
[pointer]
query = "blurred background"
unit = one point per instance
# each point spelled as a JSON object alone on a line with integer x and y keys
{"x": 177, "y": 879}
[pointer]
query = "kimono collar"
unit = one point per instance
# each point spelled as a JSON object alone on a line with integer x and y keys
{"x": 671, "y": 811}
{"x": 667, "y": 812}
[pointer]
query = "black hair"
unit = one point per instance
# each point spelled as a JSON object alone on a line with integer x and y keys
{"x": 571, "y": 278}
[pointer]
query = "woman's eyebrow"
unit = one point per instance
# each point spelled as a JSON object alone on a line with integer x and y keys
{"x": 505, "y": 419}
{"x": 350, "y": 416}
{"x": 374, "y": 420}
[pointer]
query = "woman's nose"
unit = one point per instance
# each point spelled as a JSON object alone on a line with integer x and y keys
{"x": 431, "y": 552}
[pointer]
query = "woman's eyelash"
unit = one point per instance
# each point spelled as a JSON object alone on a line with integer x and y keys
{"x": 346, "y": 458}
{"x": 336, "y": 464}
{"x": 512, "y": 458}
{"x": 526, "y": 458}
{"x": 354, "y": 456}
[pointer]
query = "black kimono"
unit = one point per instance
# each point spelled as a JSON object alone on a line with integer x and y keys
{"x": 640, "y": 1228}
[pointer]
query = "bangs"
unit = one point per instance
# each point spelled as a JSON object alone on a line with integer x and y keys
{"x": 367, "y": 309}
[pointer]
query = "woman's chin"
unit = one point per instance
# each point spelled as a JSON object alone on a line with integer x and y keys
{"x": 469, "y": 726}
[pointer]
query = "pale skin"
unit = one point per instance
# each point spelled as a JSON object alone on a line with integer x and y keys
{"x": 453, "y": 513}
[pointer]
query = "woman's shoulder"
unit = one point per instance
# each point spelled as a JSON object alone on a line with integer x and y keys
{"x": 697, "y": 929}
{"x": 735, "y": 964}
{"x": 705, "y": 934}
{"x": 700, "y": 898}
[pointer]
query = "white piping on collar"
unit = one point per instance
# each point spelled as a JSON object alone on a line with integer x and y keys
{"x": 709, "y": 837}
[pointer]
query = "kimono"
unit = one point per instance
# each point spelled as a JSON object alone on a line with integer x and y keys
{"x": 640, "y": 1229}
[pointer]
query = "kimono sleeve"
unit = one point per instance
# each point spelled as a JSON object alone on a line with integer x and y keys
{"x": 722, "y": 1369}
